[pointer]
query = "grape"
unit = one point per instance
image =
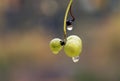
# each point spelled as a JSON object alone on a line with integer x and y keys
{"x": 73, "y": 46}
{"x": 55, "y": 45}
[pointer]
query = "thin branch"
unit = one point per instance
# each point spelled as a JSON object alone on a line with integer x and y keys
{"x": 65, "y": 18}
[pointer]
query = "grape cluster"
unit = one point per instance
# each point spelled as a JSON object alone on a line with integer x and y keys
{"x": 72, "y": 46}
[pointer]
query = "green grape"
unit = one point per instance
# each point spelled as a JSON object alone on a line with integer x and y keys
{"x": 55, "y": 45}
{"x": 73, "y": 46}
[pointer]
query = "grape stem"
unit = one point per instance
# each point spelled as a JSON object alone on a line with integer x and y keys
{"x": 65, "y": 18}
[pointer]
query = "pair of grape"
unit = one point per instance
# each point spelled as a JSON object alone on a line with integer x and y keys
{"x": 72, "y": 46}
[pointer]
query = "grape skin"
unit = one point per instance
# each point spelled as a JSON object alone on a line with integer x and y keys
{"x": 75, "y": 37}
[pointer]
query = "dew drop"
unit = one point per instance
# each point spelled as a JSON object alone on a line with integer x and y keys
{"x": 69, "y": 27}
{"x": 75, "y": 59}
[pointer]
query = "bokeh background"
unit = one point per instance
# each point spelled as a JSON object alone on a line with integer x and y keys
{"x": 27, "y": 26}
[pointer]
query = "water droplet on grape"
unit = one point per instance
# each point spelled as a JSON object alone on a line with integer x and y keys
{"x": 69, "y": 27}
{"x": 75, "y": 59}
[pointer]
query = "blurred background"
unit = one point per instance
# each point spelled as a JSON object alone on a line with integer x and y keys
{"x": 27, "y": 26}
